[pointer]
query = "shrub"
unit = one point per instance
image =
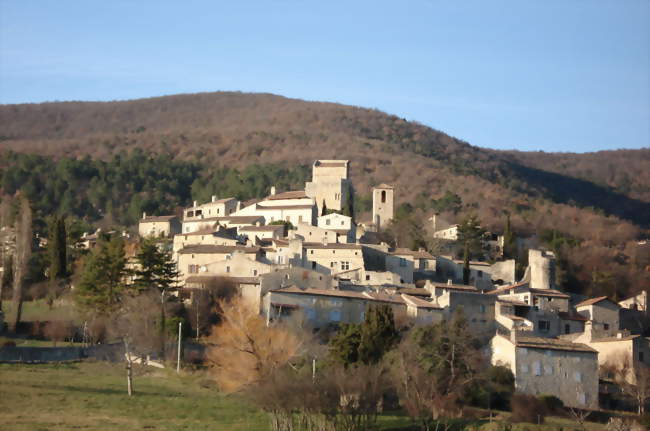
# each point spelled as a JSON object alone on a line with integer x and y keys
{"x": 527, "y": 408}
{"x": 58, "y": 330}
{"x": 552, "y": 403}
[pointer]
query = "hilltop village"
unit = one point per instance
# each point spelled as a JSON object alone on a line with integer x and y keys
{"x": 296, "y": 253}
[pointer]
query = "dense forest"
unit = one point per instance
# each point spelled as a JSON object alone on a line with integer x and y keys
{"x": 106, "y": 163}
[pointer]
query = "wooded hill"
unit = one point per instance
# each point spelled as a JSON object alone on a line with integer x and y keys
{"x": 602, "y": 200}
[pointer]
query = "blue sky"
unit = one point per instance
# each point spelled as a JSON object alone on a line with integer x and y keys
{"x": 552, "y": 75}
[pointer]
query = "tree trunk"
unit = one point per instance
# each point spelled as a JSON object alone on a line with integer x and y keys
{"x": 162, "y": 323}
{"x": 129, "y": 368}
{"x": 466, "y": 269}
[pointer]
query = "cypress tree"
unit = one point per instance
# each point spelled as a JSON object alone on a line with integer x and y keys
{"x": 57, "y": 248}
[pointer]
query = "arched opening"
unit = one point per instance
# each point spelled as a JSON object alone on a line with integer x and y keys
{"x": 383, "y": 196}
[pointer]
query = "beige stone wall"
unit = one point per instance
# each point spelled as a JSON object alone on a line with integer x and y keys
{"x": 330, "y": 260}
{"x": 182, "y": 240}
{"x": 382, "y": 209}
{"x": 601, "y": 313}
{"x": 319, "y": 310}
{"x": 570, "y": 376}
{"x": 155, "y": 229}
{"x": 200, "y": 259}
{"x": 238, "y": 265}
{"x": 315, "y": 234}
{"x": 403, "y": 266}
{"x": 542, "y": 269}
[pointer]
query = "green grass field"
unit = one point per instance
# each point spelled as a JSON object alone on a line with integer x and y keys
{"x": 92, "y": 395}
{"x": 62, "y": 309}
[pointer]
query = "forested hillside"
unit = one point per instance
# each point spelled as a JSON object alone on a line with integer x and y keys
{"x": 108, "y": 161}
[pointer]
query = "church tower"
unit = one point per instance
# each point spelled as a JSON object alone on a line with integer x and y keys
{"x": 382, "y": 205}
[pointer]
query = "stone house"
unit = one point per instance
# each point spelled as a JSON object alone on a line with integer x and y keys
{"x": 208, "y": 236}
{"x": 602, "y": 312}
{"x": 293, "y": 207}
{"x": 318, "y": 234}
{"x": 550, "y": 366}
{"x": 333, "y": 258}
{"x": 423, "y": 312}
{"x": 194, "y": 259}
{"x": 272, "y": 231}
{"x": 449, "y": 233}
{"x": 638, "y": 302}
{"x": 423, "y": 261}
{"x": 158, "y": 226}
{"x": 340, "y": 224}
{"x": 214, "y": 208}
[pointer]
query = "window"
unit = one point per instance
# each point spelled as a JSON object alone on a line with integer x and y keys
{"x": 342, "y": 222}
{"x": 299, "y": 219}
{"x": 567, "y": 329}
{"x": 367, "y": 277}
{"x": 313, "y": 265}
{"x": 402, "y": 261}
{"x": 193, "y": 269}
{"x": 480, "y": 274}
{"x": 606, "y": 326}
{"x": 190, "y": 214}
{"x": 577, "y": 376}
{"x": 311, "y": 251}
{"x": 227, "y": 269}
{"x": 481, "y": 308}
{"x": 345, "y": 266}
{"x": 544, "y": 325}
{"x": 327, "y": 222}
{"x": 383, "y": 196}
{"x": 582, "y": 398}
{"x": 335, "y": 315}
{"x": 640, "y": 356}
{"x": 537, "y": 368}
{"x": 254, "y": 272}
{"x": 332, "y": 264}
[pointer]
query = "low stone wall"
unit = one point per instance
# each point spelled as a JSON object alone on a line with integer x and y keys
{"x": 40, "y": 354}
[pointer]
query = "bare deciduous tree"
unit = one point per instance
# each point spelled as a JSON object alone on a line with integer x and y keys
{"x": 58, "y": 330}
{"x": 634, "y": 381}
{"x": 246, "y": 350}
{"x": 21, "y": 259}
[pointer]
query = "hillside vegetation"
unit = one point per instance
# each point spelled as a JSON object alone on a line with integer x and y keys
{"x": 593, "y": 207}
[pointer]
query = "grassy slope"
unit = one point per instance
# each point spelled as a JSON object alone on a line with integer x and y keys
{"x": 91, "y": 395}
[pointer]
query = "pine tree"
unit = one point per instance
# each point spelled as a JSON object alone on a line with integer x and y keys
{"x": 378, "y": 334}
{"x": 102, "y": 282}
{"x": 470, "y": 235}
{"x": 509, "y": 241}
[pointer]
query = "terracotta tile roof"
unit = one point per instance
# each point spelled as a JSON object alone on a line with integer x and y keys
{"x": 240, "y": 219}
{"x": 333, "y": 245}
{"x": 298, "y": 194}
{"x": 420, "y": 303}
{"x": 267, "y": 228}
{"x": 611, "y": 339}
{"x": 414, "y": 291}
{"x": 570, "y": 316}
{"x": 503, "y": 289}
{"x": 384, "y": 297}
{"x": 549, "y": 292}
{"x": 513, "y": 317}
{"x": 416, "y": 254}
{"x": 592, "y": 301}
{"x": 552, "y": 344}
{"x": 321, "y": 292}
{"x": 150, "y": 219}
{"x": 221, "y": 233}
{"x": 196, "y": 279}
{"x": 284, "y": 207}
{"x": 463, "y": 287}
{"x": 512, "y": 301}
{"x": 384, "y": 186}
{"x": 217, "y": 249}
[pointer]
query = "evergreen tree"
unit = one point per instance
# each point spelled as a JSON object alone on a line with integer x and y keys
{"x": 378, "y": 334}
{"x": 57, "y": 248}
{"x": 102, "y": 281}
{"x": 324, "y": 209}
{"x": 367, "y": 342}
{"x": 24, "y": 242}
{"x": 470, "y": 235}
{"x": 509, "y": 241}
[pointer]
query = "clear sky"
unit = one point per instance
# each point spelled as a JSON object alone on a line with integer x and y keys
{"x": 552, "y": 75}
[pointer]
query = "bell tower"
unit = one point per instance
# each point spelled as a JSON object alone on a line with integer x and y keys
{"x": 382, "y": 205}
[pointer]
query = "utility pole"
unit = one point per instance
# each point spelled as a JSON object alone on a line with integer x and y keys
{"x": 178, "y": 360}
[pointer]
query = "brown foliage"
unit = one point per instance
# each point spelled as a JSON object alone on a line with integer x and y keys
{"x": 527, "y": 408}
{"x": 246, "y": 350}
{"x": 58, "y": 330}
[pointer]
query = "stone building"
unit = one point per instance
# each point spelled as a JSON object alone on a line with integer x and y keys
{"x": 382, "y": 205}
{"x": 330, "y": 184}
{"x": 550, "y": 366}
{"x": 158, "y": 226}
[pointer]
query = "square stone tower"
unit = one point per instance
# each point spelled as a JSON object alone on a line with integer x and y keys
{"x": 382, "y": 205}
{"x": 330, "y": 184}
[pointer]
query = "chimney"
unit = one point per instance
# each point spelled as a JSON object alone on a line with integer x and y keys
{"x": 272, "y": 190}
{"x": 325, "y": 242}
{"x": 214, "y": 198}
{"x": 619, "y": 334}
{"x": 238, "y": 206}
{"x": 449, "y": 282}
{"x": 195, "y": 205}
{"x": 144, "y": 215}
{"x": 513, "y": 335}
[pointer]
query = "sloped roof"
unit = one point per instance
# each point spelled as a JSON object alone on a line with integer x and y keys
{"x": 593, "y": 301}
{"x": 332, "y": 245}
{"x": 384, "y": 186}
{"x": 549, "y": 292}
{"x": 321, "y": 292}
{"x": 297, "y": 194}
{"x": 611, "y": 339}
{"x": 419, "y": 254}
{"x": 570, "y": 316}
{"x": 150, "y": 219}
{"x": 420, "y": 303}
{"x": 217, "y": 249}
{"x": 240, "y": 219}
{"x": 267, "y": 228}
{"x": 331, "y": 163}
{"x": 552, "y": 344}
